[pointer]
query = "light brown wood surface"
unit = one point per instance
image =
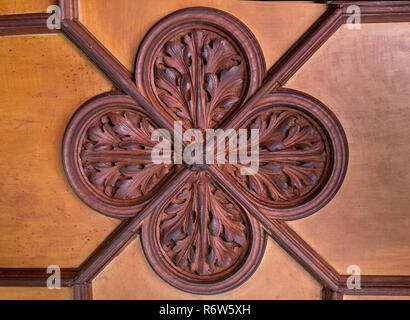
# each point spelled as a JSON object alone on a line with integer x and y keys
{"x": 33, "y": 293}
{"x": 130, "y": 276}
{"x": 121, "y": 25}
{"x": 44, "y": 79}
{"x": 24, "y": 6}
{"x": 363, "y": 76}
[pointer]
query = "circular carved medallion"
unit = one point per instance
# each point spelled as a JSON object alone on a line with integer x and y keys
{"x": 202, "y": 224}
{"x": 202, "y": 241}
{"x": 107, "y": 156}
{"x": 302, "y": 155}
{"x": 199, "y": 64}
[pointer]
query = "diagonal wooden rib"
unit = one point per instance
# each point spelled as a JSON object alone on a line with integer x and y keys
{"x": 398, "y": 285}
{"x": 118, "y": 74}
{"x": 126, "y": 231}
{"x": 377, "y": 11}
{"x": 291, "y": 61}
{"x": 387, "y": 11}
{"x": 33, "y": 277}
{"x": 285, "y": 236}
{"x": 33, "y": 23}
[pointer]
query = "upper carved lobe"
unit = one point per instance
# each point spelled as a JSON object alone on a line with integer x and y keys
{"x": 199, "y": 77}
{"x": 200, "y": 71}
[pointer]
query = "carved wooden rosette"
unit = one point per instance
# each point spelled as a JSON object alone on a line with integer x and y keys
{"x": 205, "y": 234}
{"x": 201, "y": 240}
{"x": 197, "y": 65}
{"x": 302, "y": 155}
{"x": 107, "y": 156}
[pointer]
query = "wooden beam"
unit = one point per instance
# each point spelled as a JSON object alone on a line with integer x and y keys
{"x": 33, "y": 277}
{"x": 32, "y": 23}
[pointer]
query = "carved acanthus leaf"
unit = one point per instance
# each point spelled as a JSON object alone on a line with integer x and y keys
{"x": 292, "y": 157}
{"x": 202, "y": 231}
{"x": 199, "y": 77}
{"x": 116, "y": 156}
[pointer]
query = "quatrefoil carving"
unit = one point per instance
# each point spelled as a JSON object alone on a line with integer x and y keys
{"x": 203, "y": 230}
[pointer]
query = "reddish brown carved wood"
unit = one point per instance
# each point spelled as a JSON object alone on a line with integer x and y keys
{"x": 201, "y": 241}
{"x": 302, "y": 158}
{"x": 34, "y": 23}
{"x": 107, "y": 156}
{"x": 199, "y": 66}
{"x": 299, "y": 53}
{"x": 292, "y": 149}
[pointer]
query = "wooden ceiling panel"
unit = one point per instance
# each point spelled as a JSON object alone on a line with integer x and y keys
{"x": 130, "y": 276}
{"x": 275, "y": 25}
{"x": 363, "y": 77}
{"x": 24, "y": 6}
{"x": 44, "y": 78}
{"x": 35, "y": 293}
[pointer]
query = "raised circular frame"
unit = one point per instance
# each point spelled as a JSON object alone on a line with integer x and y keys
{"x": 73, "y": 137}
{"x": 214, "y": 284}
{"x": 337, "y": 153}
{"x": 203, "y": 18}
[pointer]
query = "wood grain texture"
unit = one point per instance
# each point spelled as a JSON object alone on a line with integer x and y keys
{"x": 24, "y": 6}
{"x": 30, "y": 277}
{"x": 373, "y": 284}
{"x": 367, "y": 86}
{"x": 377, "y": 11}
{"x": 26, "y": 293}
{"x": 83, "y": 291}
{"x": 109, "y": 65}
{"x": 292, "y": 59}
{"x": 38, "y": 96}
{"x": 125, "y": 232}
{"x": 195, "y": 66}
{"x": 329, "y": 294}
{"x": 107, "y": 156}
{"x": 221, "y": 249}
{"x": 278, "y": 277}
{"x": 265, "y": 19}
{"x": 35, "y": 23}
{"x": 378, "y": 285}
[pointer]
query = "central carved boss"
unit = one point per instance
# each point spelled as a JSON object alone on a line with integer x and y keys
{"x": 203, "y": 231}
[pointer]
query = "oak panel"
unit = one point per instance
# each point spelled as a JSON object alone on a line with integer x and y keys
{"x": 121, "y": 25}
{"x": 363, "y": 76}
{"x": 35, "y": 293}
{"x": 24, "y": 6}
{"x": 44, "y": 79}
{"x": 130, "y": 276}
